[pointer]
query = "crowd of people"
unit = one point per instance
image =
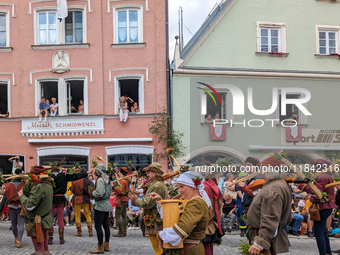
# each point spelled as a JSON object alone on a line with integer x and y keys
{"x": 217, "y": 203}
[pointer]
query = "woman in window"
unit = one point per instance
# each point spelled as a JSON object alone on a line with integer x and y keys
{"x": 217, "y": 116}
{"x": 81, "y": 106}
{"x": 135, "y": 107}
{"x": 123, "y": 109}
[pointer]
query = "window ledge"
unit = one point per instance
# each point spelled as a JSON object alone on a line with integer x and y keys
{"x": 272, "y": 54}
{"x": 60, "y": 46}
{"x": 128, "y": 45}
{"x": 327, "y": 56}
{"x": 6, "y": 49}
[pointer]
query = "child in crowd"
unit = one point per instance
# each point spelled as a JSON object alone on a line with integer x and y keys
{"x": 209, "y": 119}
{"x": 54, "y": 107}
{"x": 113, "y": 204}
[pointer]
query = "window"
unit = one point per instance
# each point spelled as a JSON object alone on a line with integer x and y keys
{"x": 48, "y": 26}
{"x": 70, "y": 95}
{"x": 271, "y": 37}
{"x": 74, "y": 27}
{"x": 75, "y": 97}
{"x": 140, "y": 161}
{"x": 292, "y": 112}
{"x": 6, "y": 166}
{"x": 215, "y": 111}
{"x": 131, "y": 87}
{"x": 68, "y": 161}
{"x": 128, "y": 26}
{"x": 270, "y": 40}
{"x": 328, "y": 42}
{"x": 3, "y": 98}
{"x": 4, "y": 30}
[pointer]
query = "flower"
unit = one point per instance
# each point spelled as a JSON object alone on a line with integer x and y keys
{"x": 197, "y": 182}
{"x": 169, "y": 150}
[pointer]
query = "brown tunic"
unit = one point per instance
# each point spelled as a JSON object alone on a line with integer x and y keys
{"x": 271, "y": 210}
{"x": 193, "y": 223}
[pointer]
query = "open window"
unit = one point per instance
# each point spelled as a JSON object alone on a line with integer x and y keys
{"x": 6, "y": 166}
{"x": 75, "y": 96}
{"x": 213, "y": 108}
{"x": 49, "y": 89}
{"x": 3, "y": 98}
{"x": 132, "y": 88}
{"x": 292, "y": 111}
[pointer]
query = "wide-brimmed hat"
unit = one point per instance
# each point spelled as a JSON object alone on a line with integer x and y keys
{"x": 154, "y": 167}
{"x": 304, "y": 195}
{"x": 124, "y": 170}
{"x": 271, "y": 161}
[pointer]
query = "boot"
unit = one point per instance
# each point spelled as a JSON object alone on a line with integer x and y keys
{"x": 124, "y": 232}
{"x": 79, "y": 233}
{"x": 89, "y": 226}
{"x": 119, "y": 234}
{"x": 99, "y": 250}
{"x": 50, "y": 236}
{"x": 106, "y": 246}
{"x": 61, "y": 235}
{"x": 18, "y": 244}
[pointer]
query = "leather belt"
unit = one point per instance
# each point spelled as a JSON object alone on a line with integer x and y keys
{"x": 59, "y": 195}
{"x": 189, "y": 247}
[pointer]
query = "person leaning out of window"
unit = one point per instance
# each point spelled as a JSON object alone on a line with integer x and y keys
{"x": 123, "y": 109}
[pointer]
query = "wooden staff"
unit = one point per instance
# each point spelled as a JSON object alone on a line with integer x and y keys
{"x": 302, "y": 176}
{"x": 127, "y": 177}
{"x": 177, "y": 196}
{"x": 244, "y": 179}
{"x": 100, "y": 158}
{"x": 178, "y": 167}
{"x": 15, "y": 176}
{"x": 165, "y": 176}
{"x": 332, "y": 184}
{"x": 329, "y": 169}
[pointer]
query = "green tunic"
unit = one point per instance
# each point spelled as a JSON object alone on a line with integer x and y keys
{"x": 148, "y": 204}
{"x": 39, "y": 203}
{"x": 193, "y": 223}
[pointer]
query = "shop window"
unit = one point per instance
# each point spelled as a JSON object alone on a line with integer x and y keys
{"x": 3, "y": 98}
{"x": 140, "y": 161}
{"x": 75, "y": 97}
{"x": 213, "y": 158}
{"x": 67, "y": 161}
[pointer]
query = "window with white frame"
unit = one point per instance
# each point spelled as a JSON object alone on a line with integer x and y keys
{"x": 128, "y": 25}
{"x": 270, "y": 40}
{"x": 74, "y": 102}
{"x": 328, "y": 42}
{"x": 213, "y": 108}
{"x": 271, "y": 37}
{"x": 292, "y": 111}
{"x": 4, "y": 30}
{"x": 3, "y": 98}
{"x": 131, "y": 88}
{"x": 73, "y": 28}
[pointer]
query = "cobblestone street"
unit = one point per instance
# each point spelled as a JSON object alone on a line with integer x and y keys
{"x": 135, "y": 243}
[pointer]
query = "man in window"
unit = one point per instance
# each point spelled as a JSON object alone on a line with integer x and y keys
{"x": 43, "y": 109}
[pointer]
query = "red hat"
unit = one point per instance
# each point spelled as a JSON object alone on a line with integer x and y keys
{"x": 321, "y": 162}
{"x": 37, "y": 169}
{"x": 271, "y": 161}
{"x": 124, "y": 170}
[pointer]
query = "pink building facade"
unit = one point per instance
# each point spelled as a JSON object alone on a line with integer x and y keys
{"x": 100, "y": 52}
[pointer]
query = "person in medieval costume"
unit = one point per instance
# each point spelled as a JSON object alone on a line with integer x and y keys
{"x": 14, "y": 207}
{"x": 154, "y": 173}
{"x": 81, "y": 200}
{"x": 270, "y": 211}
{"x": 214, "y": 228}
{"x": 325, "y": 207}
{"x": 39, "y": 203}
{"x": 61, "y": 179}
{"x": 121, "y": 203}
{"x": 195, "y": 217}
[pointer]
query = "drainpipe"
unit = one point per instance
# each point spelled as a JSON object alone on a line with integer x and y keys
{"x": 168, "y": 74}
